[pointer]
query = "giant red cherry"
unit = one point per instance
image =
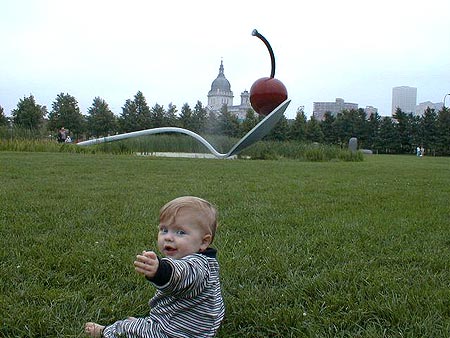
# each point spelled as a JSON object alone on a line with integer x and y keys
{"x": 267, "y": 93}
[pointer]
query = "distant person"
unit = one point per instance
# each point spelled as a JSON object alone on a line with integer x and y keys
{"x": 68, "y": 139}
{"x": 62, "y": 135}
{"x": 418, "y": 151}
{"x": 422, "y": 151}
{"x": 188, "y": 301}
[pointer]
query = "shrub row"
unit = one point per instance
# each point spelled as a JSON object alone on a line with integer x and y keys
{"x": 179, "y": 143}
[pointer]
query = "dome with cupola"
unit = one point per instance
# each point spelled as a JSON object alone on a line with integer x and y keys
{"x": 220, "y": 84}
{"x": 220, "y": 93}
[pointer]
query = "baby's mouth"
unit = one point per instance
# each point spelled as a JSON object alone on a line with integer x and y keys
{"x": 169, "y": 249}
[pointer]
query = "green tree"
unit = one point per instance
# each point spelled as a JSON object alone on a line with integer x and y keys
{"x": 388, "y": 136}
{"x": 228, "y": 123}
{"x": 128, "y": 119}
{"x": 212, "y": 124}
{"x": 415, "y": 130}
{"x": 313, "y": 131}
{"x": 186, "y": 119}
{"x": 443, "y": 131}
{"x": 66, "y": 113}
{"x": 143, "y": 111}
{"x": 404, "y": 131}
{"x": 28, "y": 114}
{"x": 100, "y": 120}
{"x": 350, "y": 123}
{"x": 135, "y": 114}
{"x": 429, "y": 130}
{"x": 250, "y": 121}
{"x": 200, "y": 117}
{"x": 3, "y": 119}
{"x": 158, "y": 116}
{"x": 373, "y": 136}
{"x": 280, "y": 131}
{"x": 171, "y": 116}
{"x": 328, "y": 130}
{"x": 361, "y": 128}
{"x": 297, "y": 130}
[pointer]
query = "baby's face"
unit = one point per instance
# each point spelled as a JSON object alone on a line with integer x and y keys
{"x": 182, "y": 236}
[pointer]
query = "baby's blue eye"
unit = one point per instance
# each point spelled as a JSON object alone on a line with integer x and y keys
{"x": 163, "y": 230}
{"x": 181, "y": 232}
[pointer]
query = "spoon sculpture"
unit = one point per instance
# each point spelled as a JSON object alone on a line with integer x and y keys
{"x": 254, "y": 135}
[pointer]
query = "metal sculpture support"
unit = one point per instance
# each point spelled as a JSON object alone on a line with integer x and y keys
{"x": 254, "y": 135}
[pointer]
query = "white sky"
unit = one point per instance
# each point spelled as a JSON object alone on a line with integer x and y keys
{"x": 171, "y": 50}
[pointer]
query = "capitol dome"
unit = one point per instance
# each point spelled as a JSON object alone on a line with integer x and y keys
{"x": 220, "y": 93}
{"x": 221, "y": 84}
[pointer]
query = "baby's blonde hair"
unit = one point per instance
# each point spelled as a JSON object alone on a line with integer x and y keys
{"x": 206, "y": 211}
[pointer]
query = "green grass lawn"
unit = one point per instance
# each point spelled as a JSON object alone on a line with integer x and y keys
{"x": 328, "y": 249}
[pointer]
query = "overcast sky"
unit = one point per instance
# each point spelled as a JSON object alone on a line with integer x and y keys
{"x": 171, "y": 50}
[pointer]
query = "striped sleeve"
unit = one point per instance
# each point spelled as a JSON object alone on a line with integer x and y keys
{"x": 190, "y": 304}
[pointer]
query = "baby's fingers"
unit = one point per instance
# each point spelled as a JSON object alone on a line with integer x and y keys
{"x": 142, "y": 268}
{"x": 150, "y": 254}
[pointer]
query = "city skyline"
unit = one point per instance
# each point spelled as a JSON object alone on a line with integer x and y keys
{"x": 170, "y": 51}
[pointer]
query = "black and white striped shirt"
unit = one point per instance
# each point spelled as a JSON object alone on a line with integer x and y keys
{"x": 188, "y": 301}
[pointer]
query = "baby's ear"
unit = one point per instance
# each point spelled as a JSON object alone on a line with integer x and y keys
{"x": 206, "y": 241}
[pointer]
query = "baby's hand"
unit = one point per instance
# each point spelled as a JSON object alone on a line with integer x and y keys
{"x": 146, "y": 264}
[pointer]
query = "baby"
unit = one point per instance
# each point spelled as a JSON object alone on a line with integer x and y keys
{"x": 188, "y": 301}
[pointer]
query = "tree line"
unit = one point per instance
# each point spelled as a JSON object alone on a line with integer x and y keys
{"x": 398, "y": 134}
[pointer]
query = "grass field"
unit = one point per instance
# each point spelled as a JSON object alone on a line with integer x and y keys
{"x": 323, "y": 249}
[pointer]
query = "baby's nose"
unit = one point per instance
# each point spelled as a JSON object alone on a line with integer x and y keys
{"x": 168, "y": 237}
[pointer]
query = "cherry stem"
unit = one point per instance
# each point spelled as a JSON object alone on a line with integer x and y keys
{"x": 272, "y": 56}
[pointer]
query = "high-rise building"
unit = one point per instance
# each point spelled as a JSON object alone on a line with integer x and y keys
{"x": 321, "y": 108}
{"x": 405, "y": 98}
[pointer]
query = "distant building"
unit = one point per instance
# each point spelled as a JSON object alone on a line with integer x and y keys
{"x": 321, "y": 108}
{"x": 369, "y": 110}
{"x": 241, "y": 110}
{"x": 421, "y": 107}
{"x": 221, "y": 94}
{"x": 405, "y": 98}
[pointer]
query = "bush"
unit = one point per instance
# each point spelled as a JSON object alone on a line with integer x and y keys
{"x": 315, "y": 155}
{"x": 263, "y": 150}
